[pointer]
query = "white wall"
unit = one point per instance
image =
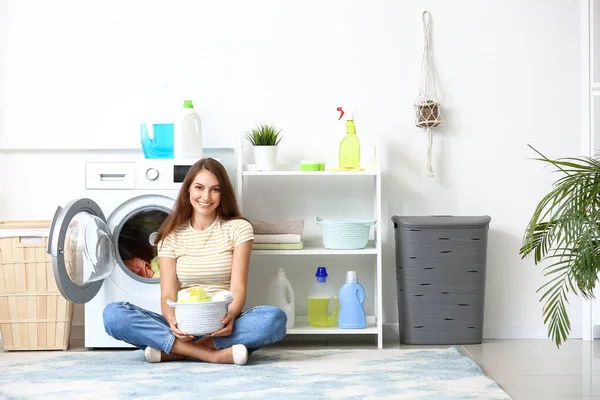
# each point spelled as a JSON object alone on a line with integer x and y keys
{"x": 509, "y": 74}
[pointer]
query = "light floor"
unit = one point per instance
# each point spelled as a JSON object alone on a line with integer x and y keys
{"x": 536, "y": 369}
{"x": 526, "y": 369}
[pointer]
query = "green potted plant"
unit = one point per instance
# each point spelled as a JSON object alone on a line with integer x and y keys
{"x": 265, "y": 139}
{"x": 565, "y": 231}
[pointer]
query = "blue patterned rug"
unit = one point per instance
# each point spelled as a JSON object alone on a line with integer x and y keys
{"x": 270, "y": 374}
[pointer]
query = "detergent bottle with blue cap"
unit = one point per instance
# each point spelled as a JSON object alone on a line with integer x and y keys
{"x": 352, "y": 298}
{"x": 323, "y": 305}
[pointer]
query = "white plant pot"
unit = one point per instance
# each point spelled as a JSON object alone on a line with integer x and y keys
{"x": 265, "y": 158}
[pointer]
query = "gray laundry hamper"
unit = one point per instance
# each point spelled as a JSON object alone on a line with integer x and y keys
{"x": 440, "y": 268}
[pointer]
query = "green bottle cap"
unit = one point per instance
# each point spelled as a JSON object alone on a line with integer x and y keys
{"x": 187, "y": 104}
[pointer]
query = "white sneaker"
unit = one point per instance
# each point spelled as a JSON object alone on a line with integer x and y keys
{"x": 240, "y": 354}
{"x": 152, "y": 355}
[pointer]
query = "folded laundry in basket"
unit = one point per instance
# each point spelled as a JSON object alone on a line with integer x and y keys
{"x": 278, "y": 246}
{"x": 282, "y": 238}
{"x": 295, "y": 227}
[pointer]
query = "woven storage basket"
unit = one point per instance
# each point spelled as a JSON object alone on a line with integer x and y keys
{"x": 33, "y": 313}
{"x": 345, "y": 235}
{"x": 199, "y": 318}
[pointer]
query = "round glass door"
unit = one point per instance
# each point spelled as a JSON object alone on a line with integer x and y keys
{"x": 82, "y": 249}
{"x": 89, "y": 249}
{"x": 134, "y": 226}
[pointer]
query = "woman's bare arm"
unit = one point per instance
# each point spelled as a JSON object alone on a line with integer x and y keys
{"x": 239, "y": 276}
{"x": 168, "y": 286}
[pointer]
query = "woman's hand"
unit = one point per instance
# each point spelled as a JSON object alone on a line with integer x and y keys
{"x": 239, "y": 279}
{"x": 179, "y": 334}
{"x": 226, "y": 330}
{"x": 168, "y": 291}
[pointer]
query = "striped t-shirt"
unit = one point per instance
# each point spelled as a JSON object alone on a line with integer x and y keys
{"x": 204, "y": 258}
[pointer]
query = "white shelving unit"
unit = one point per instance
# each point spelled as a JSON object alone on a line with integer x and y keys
{"x": 301, "y": 327}
{"x": 315, "y": 248}
{"x": 247, "y": 176}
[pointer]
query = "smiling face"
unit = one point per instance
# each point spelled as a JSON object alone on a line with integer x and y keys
{"x": 205, "y": 193}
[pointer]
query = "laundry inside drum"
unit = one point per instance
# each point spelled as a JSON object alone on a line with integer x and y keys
{"x": 136, "y": 243}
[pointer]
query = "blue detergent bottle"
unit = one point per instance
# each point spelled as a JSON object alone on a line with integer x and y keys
{"x": 351, "y": 298}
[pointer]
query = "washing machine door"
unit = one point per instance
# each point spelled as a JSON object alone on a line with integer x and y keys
{"x": 82, "y": 249}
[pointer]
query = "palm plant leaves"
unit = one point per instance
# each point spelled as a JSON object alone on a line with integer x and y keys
{"x": 564, "y": 230}
{"x": 264, "y": 135}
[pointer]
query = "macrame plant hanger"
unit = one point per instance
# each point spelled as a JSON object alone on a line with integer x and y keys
{"x": 427, "y": 105}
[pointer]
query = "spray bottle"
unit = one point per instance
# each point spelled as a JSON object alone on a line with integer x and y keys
{"x": 350, "y": 146}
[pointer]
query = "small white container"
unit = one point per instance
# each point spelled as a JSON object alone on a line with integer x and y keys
{"x": 265, "y": 158}
{"x": 200, "y": 318}
{"x": 187, "y": 141}
{"x": 281, "y": 295}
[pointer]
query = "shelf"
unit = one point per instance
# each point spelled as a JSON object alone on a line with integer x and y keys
{"x": 316, "y": 248}
{"x": 310, "y": 173}
{"x": 323, "y": 184}
{"x": 301, "y": 327}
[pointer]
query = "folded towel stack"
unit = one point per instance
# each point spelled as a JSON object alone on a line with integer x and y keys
{"x": 286, "y": 235}
{"x": 295, "y": 227}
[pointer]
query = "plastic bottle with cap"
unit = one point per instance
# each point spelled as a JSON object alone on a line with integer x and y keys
{"x": 281, "y": 295}
{"x": 352, "y": 298}
{"x": 158, "y": 121}
{"x": 323, "y": 305}
{"x": 349, "y": 146}
{"x": 187, "y": 143}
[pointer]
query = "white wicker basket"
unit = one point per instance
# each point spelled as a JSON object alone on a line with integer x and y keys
{"x": 200, "y": 318}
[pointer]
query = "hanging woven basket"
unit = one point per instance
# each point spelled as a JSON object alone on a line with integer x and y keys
{"x": 428, "y": 114}
{"x": 427, "y": 106}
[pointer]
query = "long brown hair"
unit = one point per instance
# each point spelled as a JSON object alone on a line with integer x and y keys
{"x": 182, "y": 211}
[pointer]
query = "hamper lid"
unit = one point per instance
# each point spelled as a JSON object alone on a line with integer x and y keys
{"x": 24, "y": 228}
{"x": 33, "y": 224}
{"x": 441, "y": 221}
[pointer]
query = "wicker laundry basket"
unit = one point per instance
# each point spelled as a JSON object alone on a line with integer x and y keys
{"x": 33, "y": 313}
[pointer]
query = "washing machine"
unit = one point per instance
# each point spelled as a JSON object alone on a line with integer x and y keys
{"x": 102, "y": 246}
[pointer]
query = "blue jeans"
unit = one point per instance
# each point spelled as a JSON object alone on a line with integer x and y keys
{"x": 253, "y": 328}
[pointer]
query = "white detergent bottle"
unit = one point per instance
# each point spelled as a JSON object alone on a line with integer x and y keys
{"x": 281, "y": 295}
{"x": 187, "y": 143}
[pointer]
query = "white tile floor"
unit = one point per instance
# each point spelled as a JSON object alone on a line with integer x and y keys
{"x": 536, "y": 369}
{"x": 526, "y": 369}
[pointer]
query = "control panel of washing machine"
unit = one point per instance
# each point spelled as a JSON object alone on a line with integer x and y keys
{"x": 147, "y": 174}
{"x": 153, "y": 174}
